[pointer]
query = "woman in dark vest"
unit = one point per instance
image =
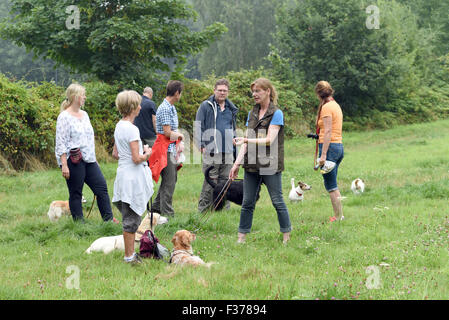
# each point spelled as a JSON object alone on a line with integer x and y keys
{"x": 262, "y": 156}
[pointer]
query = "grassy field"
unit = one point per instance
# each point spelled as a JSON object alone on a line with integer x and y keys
{"x": 393, "y": 243}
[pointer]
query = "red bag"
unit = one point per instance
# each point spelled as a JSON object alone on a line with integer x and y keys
{"x": 75, "y": 155}
{"x": 148, "y": 245}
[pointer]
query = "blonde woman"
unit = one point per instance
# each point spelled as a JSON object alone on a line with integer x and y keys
{"x": 133, "y": 186}
{"x": 330, "y": 122}
{"x": 262, "y": 156}
{"x": 75, "y": 153}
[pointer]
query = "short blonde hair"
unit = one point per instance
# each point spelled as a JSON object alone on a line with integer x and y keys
{"x": 266, "y": 84}
{"x": 73, "y": 91}
{"x": 127, "y": 101}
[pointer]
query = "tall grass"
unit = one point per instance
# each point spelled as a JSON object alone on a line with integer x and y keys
{"x": 399, "y": 227}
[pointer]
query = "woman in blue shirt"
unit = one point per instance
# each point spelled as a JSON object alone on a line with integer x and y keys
{"x": 262, "y": 156}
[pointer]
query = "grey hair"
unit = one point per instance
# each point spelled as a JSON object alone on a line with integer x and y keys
{"x": 148, "y": 90}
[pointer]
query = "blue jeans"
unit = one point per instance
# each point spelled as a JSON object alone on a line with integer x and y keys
{"x": 90, "y": 174}
{"x": 335, "y": 153}
{"x": 251, "y": 185}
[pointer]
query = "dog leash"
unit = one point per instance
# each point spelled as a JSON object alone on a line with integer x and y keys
{"x": 90, "y": 210}
{"x": 214, "y": 205}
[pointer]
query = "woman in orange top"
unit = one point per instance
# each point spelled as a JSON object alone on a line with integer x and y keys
{"x": 330, "y": 122}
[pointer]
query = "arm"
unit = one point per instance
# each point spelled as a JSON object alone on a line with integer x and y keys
{"x": 199, "y": 128}
{"x": 238, "y": 162}
{"x": 62, "y": 138}
{"x": 153, "y": 117}
{"x": 115, "y": 152}
{"x": 172, "y": 135}
{"x": 272, "y": 134}
{"x": 136, "y": 157}
{"x": 327, "y": 121}
{"x": 65, "y": 168}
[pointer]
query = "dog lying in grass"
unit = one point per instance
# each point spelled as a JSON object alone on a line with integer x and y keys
{"x": 109, "y": 244}
{"x": 234, "y": 192}
{"x": 182, "y": 250}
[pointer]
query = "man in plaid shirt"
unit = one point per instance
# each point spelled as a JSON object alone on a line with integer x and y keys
{"x": 167, "y": 125}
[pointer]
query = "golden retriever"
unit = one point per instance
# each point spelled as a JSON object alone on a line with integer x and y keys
{"x": 183, "y": 252}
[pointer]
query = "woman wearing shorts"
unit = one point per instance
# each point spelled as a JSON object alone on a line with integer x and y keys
{"x": 133, "y": 186}
{"x": 330, "y": 122}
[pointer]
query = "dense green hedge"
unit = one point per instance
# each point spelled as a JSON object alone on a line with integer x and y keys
{"x": 28, "y": 112}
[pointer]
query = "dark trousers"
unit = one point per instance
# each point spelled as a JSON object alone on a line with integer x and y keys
{"x": 164, "y": 199}
{"x": 90, "y": 174}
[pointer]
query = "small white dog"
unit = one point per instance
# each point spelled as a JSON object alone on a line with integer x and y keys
{"x": 358, "y": 186}
{"x": 109, "y": 244}
{"x": 297, "y": 192}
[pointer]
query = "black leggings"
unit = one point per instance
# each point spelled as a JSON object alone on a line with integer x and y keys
{"x": 90, "y": 174}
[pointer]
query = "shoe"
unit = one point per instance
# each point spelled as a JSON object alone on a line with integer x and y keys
{"x": 135, "y": 260}
{"x": 242, "y": 238}
{"x": 334, "y": 218}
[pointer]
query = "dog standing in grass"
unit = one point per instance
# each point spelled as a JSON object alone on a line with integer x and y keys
{"x": 358, "y": 186}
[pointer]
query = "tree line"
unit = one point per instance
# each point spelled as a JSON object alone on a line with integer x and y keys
{"x": 396, "y": 67}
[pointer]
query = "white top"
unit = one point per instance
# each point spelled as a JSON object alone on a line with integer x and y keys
{"x": 133, "y": 183}
{"x": 72, "y": 132}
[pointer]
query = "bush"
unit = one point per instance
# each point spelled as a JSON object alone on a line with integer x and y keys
{"x": 27, "y": 125}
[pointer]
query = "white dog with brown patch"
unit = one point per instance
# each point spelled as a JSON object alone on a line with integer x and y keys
{"x": 297, "y": 192}
{"x": 59, "y": 208}
{"x": 109, "y": 244}
{"x": 183, "y": 252}
{"x": 358, "y": 186}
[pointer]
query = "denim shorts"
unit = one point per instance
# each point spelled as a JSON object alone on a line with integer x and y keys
{"x": 335, "y": 153}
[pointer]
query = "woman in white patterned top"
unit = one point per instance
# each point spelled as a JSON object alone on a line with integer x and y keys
{"x": 74, "y": 131}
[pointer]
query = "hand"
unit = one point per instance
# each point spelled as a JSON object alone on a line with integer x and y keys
{"x": 147, "y": 151}
{"x": 181, "y": 137}
{"x": 179, "y": 147}
{"x": 66, "y": 172}
{"x": 234, "y": 173}
{"x": 239, "y": 141}
{"x": 322, "y": 160}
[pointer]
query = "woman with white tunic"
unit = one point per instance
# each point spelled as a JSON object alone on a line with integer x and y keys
{"x": 75, "y": 153}
{"x": 133, "y": 186}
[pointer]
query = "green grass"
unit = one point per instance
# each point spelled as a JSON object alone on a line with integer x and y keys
{"x": 401, "y": 220}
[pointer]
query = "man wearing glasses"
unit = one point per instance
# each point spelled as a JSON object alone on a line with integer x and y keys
{"x": 215, "y": 127}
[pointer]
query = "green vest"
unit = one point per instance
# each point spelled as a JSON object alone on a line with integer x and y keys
{"x": 260, "y": 158}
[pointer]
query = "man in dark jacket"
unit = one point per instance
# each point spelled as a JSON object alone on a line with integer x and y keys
{"x": 215, "y": 127}
{"x": 146, "y": 120}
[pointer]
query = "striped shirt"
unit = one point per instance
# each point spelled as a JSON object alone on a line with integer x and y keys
{"x": 166, "y": 115}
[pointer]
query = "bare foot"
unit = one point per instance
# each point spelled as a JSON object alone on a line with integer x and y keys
{"x": 241, "y": 238}
{"x": 286, "y": 237}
